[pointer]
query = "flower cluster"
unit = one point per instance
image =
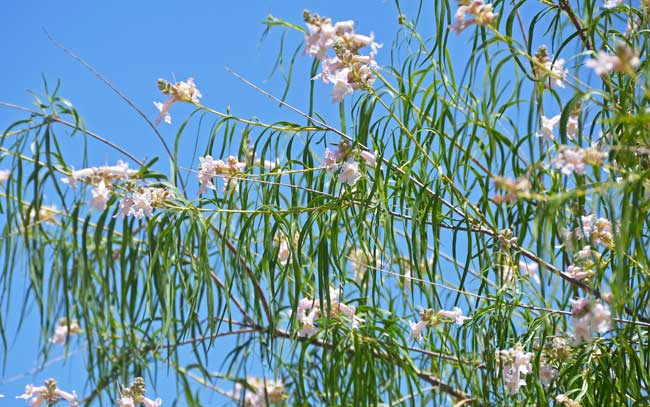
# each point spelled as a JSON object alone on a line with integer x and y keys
{"x": 479, "y": 12}
{"x": 519, "y": 187}
{"x": 95, "y": 175}
{"x": 209, "y": 168}
{"x": 63, "y": 330}
{"x": 433, "y": 318}
{"x": 343, "y": 160}
{"x": 347, "y": 70}
{"x": 103, "y": 180}
{"x": 597, "y": 231}
{"x": 515, "y": 366}
{"x": 47, "y": 395}
{"x": 310, "y": 309}
{"x": 587, "y": 317}
{"x": 573, "y": 160}
{"x": 265, "y": 392}
{"x": 183, "y": 91}
{"x": 623, "y": 60}
{"x": 141, "y": 202}
{"x": 133, "y": 395}
{"x": 551, "y": 72}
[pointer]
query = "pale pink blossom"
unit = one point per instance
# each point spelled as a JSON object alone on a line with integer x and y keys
{"x": 4, "y": 175}
{"x": 547, "y": 374}
{"x": 479, "y": 13}
{"x": 557, "y": 72}
{"x": 603, "y": 63}
{"x": 578, "y": 273}
{"x": 151, "y": 403}
{"x": 612, "y": 3}
{"x": 63, "y": 330}
{"x": 587, "y": 317}
{"x": 515, "y": 365}
{"x": 264, "y": 391}
{"x": 530, "y": 270}
{"x": 49, "y": 394}
{"x": 547, "y": 127}
{"x": 183, "y": 91}
{"x": 572, "y": 127}
{"x": 456, "y": 314}
{"x": 416, "y": 329}
{"x": 332, "y": 159}
{"x": 125, "y": 401}
{"x": 349, "y": 172}
{"x": 342, "y": 87}
{"x": 369, "y": 157}
{"x": 100, "y": 195}
{"x": 142, "y": 204}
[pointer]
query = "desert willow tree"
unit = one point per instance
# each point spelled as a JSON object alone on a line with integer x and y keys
{"x": 472, "y": 229}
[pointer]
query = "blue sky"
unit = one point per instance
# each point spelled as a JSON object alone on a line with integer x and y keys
{"x": 133, "y": 44}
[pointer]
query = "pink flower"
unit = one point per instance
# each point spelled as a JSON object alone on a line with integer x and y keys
{"x": 183, "y": 91}
{"x": 151, "y": 403}
{"x": 546, "y": 130}
{"x": 100, "y": 195}
{"x": 349, "y": 172}
{"x": 141, "y": 206}
{"x": 416, "y": 329}
{"x": 4, "y": 175}
{"x": 604, "y": 63}
{"x": 456, "y": 314}
{"x": 342, "y": 87}
{"x": 369, "y": 157}
{"x": 126, "y": 402}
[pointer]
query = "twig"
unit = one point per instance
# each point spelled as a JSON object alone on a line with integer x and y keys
{"x": 72, "y": 125}
{"x": 566, "y": 7}
{"x": 124, "y": 97}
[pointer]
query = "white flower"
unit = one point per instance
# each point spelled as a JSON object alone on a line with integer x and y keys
{"x": 456, "y": 314}
{"x": 369, "y": 157}
{"x": 482, "y": 15}
{"x": 183, "y": 91}
{"x": 547, "y": 126}
{"x": 547, "y": 374}
{"x": 125, "y": 402}
{"x": 100, "y": 195}
{"x": 342, "y": 87}
{"x": 163, "y": 108}
{"x": 141, "y": 206}
{"x": 263, "y": 390}
{"x": 586, "y": 318}
{"x": 602, "y": 318}
{"x": 570, "y": 160}
{"x": 530, "y": 270}
{"x": 604, "y": 63}
{"x": 558, "y": 73}
{"x": 64, "y": 330}
{"x": 349, "y": 172}
{"x": 612, "y": 3}
{"x": 515, "y": 366}
{"x": 207, "y": 168}
{"x": 416, "y": 329}
{"x": 578, "y": 273}
{"x": 332, "y": 158}
{"x": 151, "y": 403}
{"x": 284, "y": 253}
{"x": 572, "y": 127}
{"x": 4, "y": 175}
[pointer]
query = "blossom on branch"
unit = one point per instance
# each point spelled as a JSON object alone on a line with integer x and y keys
{"x": 47, "y": 395}
{"x": 183, "y": 91}
{"x": 479, "y": 13}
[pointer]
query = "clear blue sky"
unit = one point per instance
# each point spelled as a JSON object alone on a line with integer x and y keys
{"x": 133, "y": 44}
